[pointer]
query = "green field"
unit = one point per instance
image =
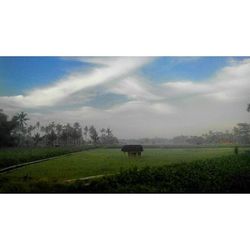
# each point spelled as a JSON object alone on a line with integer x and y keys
{"x": 13, "y": 156}
{"x": 109, "y": 161}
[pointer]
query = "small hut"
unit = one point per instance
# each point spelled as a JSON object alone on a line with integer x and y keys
{"x": 132, "y": 150}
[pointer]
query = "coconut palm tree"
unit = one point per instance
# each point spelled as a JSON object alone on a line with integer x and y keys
{"x": 22, "y": 119}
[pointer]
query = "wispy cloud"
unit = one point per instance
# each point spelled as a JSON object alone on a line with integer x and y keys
{"x": 230, "y": 84}
{"x": 111, "y": 69}
{"x": 149, "y": 109}
{"x": 134, "y": 88}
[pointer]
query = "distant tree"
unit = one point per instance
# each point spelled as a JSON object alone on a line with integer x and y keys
{"x": 196, "y": 140}
{"x": 59, "y": 129}
{"x": 64, "y": 135}
{"x": 51, "y": 138}
{"x": 30, "y": 129}
{"x": 248, "y": 108}
{"x": 77, "y": 133}
{"x": 242, "y": 133}
{"x": 22, "y": 119}
{"x": 109, "y": 132}
{"x": 21, "y": 129}
{"x": 50, "y": 134}
{"x": 69, "y": 131}
{"x": 103, "y": 131}
{"x": 107, "y": 137}
{"x": 179, "y": 140}
{"x": 86, "y": 130}
{"x": 93, "y": 135}
{"x": 37, "y": 125}
{"x": 7, "y": 128}
{"x": 37, "y": 138}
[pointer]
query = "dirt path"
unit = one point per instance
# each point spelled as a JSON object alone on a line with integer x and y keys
{"x": 88, "y": 178}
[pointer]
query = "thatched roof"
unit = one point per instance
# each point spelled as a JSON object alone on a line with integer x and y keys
{"x": 132, "y": 148}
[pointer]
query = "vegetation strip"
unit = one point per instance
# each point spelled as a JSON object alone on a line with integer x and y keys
{"x": 29, "y": 163}
{"x": 218, "y": 175}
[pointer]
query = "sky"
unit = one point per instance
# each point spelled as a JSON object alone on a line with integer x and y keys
{"x": 135, "y": 96}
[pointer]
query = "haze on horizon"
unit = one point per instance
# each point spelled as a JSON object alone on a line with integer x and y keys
{"x": 135, "y": 96}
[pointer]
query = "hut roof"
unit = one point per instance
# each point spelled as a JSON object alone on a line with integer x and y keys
{"x": 132, "y": 148}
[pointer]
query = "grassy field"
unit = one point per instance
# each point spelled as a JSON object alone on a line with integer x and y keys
{"x": 109, "y": 161}
{"x": 12, "y": 156}
{"x": 226, "y": 174}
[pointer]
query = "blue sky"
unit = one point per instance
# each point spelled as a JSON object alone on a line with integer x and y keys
{"x": 183, "y": 68}
{"x": 19, "y": 74}
{"x": 163, "y": 95}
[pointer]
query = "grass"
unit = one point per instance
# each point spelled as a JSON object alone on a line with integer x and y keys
{"x": 110, "y": 161}
{"x": 230, "y": 173}
{"x": 13, "y": 156}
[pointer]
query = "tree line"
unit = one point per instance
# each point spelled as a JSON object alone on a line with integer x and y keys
{"x": 240, "y": 134}
{"x": 17, "y": 131}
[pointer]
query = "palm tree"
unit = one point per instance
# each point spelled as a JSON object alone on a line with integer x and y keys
{"x": 59, "y": 129}
{"x": 77, "y": 133}
{"x": 86, "y": 130}
{"x": 109, "y": 132}
{"x": 30, "y": 129}
{"x": 38, "y": 125}
{"x": 22, "y": 119}
{"x": 37, "y": 138}
{"x": 93, "y": 134}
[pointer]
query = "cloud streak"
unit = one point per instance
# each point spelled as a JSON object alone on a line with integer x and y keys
{"x": 166, "y": 109}
{"x": 111, "y": 69}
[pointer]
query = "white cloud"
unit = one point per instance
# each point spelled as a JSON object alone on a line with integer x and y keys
{"x": 166, "y": 109}
{"x": 134, "y": 88}
{"x": 111, "y": 69}
{"x": 145, "y": 107}
{"x": 229, "y": 84}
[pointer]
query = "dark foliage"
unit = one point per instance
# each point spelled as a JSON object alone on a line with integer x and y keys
{"x": 6, "y": 130}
